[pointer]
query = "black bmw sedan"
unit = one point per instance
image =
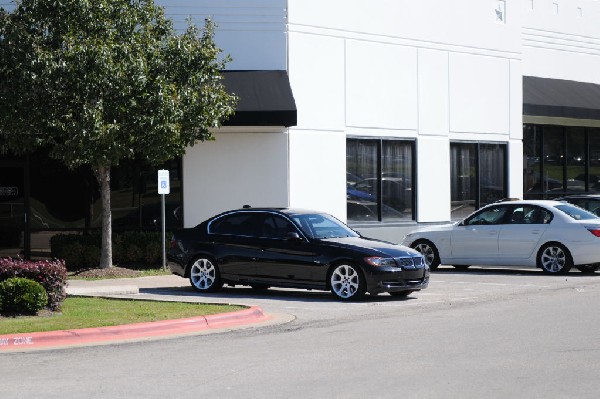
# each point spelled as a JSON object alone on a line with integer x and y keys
{"x": 267, "y": 247}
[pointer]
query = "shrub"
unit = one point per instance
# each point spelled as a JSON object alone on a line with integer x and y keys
{"x": 137, "y": 247}
{"x": 129, "y": 248}
{"x": 51, "y": 274}
{"x": 78, "y": 251}
{"x": 22, "y": 296}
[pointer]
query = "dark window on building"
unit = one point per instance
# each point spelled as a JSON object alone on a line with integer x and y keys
{"x": 560, "y": 160}
{"x": 379, "y": 180}
{"x": 40, "y": 197}
{"x": 477, "y": 176}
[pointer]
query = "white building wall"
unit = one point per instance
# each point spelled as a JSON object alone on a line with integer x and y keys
{"x": 252, "y": 32}
{"x": 561, "y": 39}
{"x": 240, "y": 167}
{"x": 317, "y": 172}
{"x": 411, "y": 70}
{"x": 429, "y": 71}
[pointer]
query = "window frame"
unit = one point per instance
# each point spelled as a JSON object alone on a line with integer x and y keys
{"x": 538, "y": 132}
{"x": 380, "y": 214}
{"x": 478, "y": 201}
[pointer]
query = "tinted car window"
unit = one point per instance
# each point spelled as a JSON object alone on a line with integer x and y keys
{"x": 493, "y": 215}
{"x": 275, "y": 226}
{"x": 323, "y": 226}
{"x": 242, "y": 224}
{"x": 529, "y": 214}
{"x": 576, "y": 212}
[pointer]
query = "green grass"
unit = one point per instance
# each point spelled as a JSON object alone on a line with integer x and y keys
{"x": 79, "y": 312}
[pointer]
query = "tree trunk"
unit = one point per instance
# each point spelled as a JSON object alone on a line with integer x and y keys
{"x": 103, "y": 175}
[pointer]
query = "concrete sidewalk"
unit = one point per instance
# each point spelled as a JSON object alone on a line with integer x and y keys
{"x": 124, "y": 286}
{"x": 130, "y": 288}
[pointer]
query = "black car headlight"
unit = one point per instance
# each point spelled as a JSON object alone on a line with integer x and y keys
{"x": 379, "y": 261}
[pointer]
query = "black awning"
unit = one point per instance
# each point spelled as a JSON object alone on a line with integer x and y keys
{"x": 265, "y": 98}
{"x": 560, "y": 98}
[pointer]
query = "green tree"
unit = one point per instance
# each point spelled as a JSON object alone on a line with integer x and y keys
{"x": 99, "y": 81}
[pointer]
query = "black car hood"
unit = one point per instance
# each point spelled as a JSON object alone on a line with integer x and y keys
{"x": 371, "y": 246}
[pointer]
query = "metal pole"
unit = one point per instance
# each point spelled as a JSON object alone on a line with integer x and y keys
{"x": 164, "y": 234}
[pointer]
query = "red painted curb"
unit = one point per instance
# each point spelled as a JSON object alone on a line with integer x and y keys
{"x": 162, "y": 328}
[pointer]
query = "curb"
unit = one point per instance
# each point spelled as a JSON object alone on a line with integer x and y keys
{"x": 129, "y": 332}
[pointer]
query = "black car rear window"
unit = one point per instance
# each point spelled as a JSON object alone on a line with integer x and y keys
{"x": 242, "y": 224}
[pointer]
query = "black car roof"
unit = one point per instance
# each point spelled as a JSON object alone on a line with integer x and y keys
{"x": 287, "y": 211}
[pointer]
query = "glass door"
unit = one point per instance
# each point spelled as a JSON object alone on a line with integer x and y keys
{"x": 12, "y": 211}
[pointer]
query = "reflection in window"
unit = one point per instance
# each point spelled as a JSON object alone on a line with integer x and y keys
{"x": 477, "y": 176}
{"x": 492, "y": 158}
{"x": 379, "y": 180}
{"x": 135, "y": 203}
{"x": 532, "y": 152}
{"x": 594, "y": 161}
{"x": 576, "y": 158}
{"x": 463, "y": 179}
{"x": 569, "y": 160}
{"x": 553, "y": 159}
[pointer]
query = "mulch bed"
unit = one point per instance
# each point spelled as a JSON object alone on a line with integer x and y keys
{"x": 111, "y": 272}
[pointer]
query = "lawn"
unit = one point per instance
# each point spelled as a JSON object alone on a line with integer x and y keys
{"x": 79, "y": 312}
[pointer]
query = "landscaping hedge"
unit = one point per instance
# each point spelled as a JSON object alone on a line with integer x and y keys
{"x": 22, "y": 296}
{"x": 51, "y": 274}
{"x": 142, "y": 249}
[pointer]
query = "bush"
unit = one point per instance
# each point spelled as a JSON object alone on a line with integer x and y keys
{"x": 139, "y": 248}
{"x": 22, "y": 296}
{"x": 78, "y": 251}
{"x": 52, "y": 275}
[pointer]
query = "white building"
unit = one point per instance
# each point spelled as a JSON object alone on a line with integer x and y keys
{"x": 408, "y": 112}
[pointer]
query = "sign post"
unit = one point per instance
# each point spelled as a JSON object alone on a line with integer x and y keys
{"x": 164, "y": 187}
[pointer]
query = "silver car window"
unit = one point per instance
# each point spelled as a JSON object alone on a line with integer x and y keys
{"x": 491, "y": 215}
{"x": 576, "y": 212}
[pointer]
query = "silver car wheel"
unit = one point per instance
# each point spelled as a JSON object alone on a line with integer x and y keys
{"x": 346, "y": 282}
{"x": 203, "y": 274}
{"x": 553, "y": 259}
{"x": 429, "y": 252}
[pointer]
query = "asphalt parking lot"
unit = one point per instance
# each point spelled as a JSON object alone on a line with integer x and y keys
{"x": 448, "y": 287}
{"x": 491, "y": 333}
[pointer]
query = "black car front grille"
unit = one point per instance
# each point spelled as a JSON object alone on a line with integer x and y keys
{"x": 410, "y": 263}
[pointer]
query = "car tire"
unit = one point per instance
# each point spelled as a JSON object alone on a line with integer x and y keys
{"x": 401, "y": 294}
{"x": 429, "y": 252}
{"x": 554, "y": 258}
{"x": 589, "y": 269}
{"x": 461, "y": 268}
{"x": 205, "y": 275}
{"x": 347, "y": 282}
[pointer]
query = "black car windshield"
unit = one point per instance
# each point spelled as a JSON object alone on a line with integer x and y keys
{"x": 576, "y": 212}
{"x": 323, "y": 226}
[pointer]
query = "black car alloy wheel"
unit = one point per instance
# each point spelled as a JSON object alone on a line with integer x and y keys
{"x": 204, "y": 275}
{"x": 347, "y": 282}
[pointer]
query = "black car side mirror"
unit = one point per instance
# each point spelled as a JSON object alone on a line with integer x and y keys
{"x": 293, "y": 236}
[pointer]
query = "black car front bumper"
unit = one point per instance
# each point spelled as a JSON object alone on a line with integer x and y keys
{"x": 396, "y": 279}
